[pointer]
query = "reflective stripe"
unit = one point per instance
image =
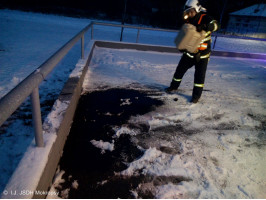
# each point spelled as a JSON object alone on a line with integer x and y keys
{"x": 178, "y": 80}
{"x": 205, "y": 56}
{"x": 189, "y": 55}
{"x": 206, "y": 39}
{"x": 198, "y": 85}
{"x": 201, "y": 57}
{"x": 203, "y": 46}
{"x": 215, "y": 25}
{"x": 208, "y": 33}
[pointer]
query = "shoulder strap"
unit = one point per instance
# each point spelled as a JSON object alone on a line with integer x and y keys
{"x": 201, "y": 18}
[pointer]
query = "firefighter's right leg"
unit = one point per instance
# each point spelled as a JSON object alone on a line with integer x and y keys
{"x": 199, "y": 79}
{"x": 184, "y": 64}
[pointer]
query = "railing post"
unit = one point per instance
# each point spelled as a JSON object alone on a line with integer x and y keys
{"x": 138, "y": 36}
{"x": 82, "y": 47}
{"x": 36, "y": 117}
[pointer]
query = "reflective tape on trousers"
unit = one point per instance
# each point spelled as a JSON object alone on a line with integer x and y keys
{"x": 178, "y": 80}
{"x": 198, "y": 85}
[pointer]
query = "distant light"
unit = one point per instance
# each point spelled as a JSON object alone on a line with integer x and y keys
{"x": 186, "y": 16}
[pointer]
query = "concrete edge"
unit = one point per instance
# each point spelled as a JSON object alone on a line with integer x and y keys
{"x": 71, "y": 92}
{"x": 168, "y": 49}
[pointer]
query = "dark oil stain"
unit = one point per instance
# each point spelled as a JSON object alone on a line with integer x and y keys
{"x": 97, "y": 113}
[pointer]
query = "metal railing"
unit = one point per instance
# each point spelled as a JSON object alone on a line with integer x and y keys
{"x": 30, "y": 87}
{"x": 133, "y": 27}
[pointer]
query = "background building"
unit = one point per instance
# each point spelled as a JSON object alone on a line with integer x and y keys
{"x": 249, "y": 22}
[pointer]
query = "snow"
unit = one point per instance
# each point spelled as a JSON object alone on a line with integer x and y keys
{"x": 220, "y": 140}
{"x": 75, "y": 184}
{"x": 123, "y": 130}
{"x": 53, "y": 194}
{"x": 55, "y": 117}
{"x": 154, "y": 162}
{"x": 104, "y": 146}
{"x": 216, "y": 148}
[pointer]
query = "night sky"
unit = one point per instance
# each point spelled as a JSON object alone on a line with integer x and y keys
{"x": 158, "y": 13}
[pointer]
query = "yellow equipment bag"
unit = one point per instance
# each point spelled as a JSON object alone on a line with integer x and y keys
{"x": 189, "y": 39}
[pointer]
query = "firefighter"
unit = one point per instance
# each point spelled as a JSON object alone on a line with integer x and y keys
{"x": 196, "y": 15}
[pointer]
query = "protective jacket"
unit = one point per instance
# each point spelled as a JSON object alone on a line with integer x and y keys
{"x": 202, "y": 21}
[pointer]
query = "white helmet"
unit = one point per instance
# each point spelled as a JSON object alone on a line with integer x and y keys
{"x": 194, "y": 4}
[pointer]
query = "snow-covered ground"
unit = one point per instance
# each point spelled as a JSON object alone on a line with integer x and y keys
{"x": 223, "y": 155}
{"x": 217, "y": 147}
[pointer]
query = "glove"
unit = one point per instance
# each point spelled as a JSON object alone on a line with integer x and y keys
{"x": 211, "y": 26}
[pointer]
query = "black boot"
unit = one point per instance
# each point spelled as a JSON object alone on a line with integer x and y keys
{"x": 170, "y": 89}
{"x": 197, "y": 91}
{"x": 194, "y": 100}
{"x": 173, "y": 87}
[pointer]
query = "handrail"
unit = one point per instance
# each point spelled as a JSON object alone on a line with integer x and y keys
{"x": 10, "y": 102}
{"x": 134, "y": 27}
